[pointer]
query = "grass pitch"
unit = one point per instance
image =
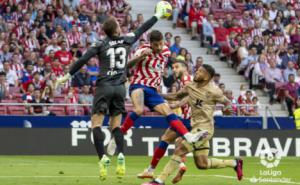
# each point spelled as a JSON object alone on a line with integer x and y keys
{"x": 83, "y": 170}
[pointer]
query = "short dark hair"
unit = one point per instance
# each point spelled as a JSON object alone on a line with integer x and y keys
{"x": 110, "y": 26}
{"x": 249, "y": 91}
{"x": 155, "y": 36}
{"x": 209, "y": 69}
{"x": 2, "y": 73}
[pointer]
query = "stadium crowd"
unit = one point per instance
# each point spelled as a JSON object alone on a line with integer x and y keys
{"x": 39, "y": 39}
{"x": 260, "y": 39}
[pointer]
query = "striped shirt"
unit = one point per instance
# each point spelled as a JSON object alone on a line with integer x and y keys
{"x": 148, "y": 72}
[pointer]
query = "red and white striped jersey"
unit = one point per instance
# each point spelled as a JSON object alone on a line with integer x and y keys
{"x": 18, "y": 68}
{"x": 256, "y": 32}
{"x": 148, "y": 72}
{"x": 74, "y": 38}
{"x": 185, "y": 109}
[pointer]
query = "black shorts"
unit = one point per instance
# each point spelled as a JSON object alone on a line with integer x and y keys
{"x": 109, "y": 100}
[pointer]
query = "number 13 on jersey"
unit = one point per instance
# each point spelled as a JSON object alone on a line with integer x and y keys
{"x": 113, "y": 53}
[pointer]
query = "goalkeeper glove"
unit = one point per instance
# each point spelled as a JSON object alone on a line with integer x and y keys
{"x": 159, "y": 12}
{"x": 62, "y": 80}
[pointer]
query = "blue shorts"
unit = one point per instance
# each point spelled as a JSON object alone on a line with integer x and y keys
{"x": 151, "y": 96}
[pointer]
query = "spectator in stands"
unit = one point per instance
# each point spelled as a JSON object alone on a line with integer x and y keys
{"x": 190, "y": 63}
{"x": 288, "y": 56}
{"x": 168, "y": 37}
{"x": 250, "y": 5}
{"x": 231, "y": 108}
{"x": 128, "y": 22}
{"x": 27, "y": 74}
{"x": 176, "y": 46}
{"x": 81, "y": 78}
{"x": 291, "y": 93}
{"x": 198, "y": 63}
{"x": 246, "y": 22}
{"x": 4, "y": 87}
{"x": 273, "y": 11}
{"x": 208, "y": 30}
{"x": 196, "y": 15}
{"x": 53, "y": 46}
{"x": 37, "y": 110}
{"x": 11, "y": 76}
{"x": 228, "y": 5}
{"x": 92, "y": 70}
{"x": 217, "y": 79}
{"x": 251, "y": 58}
{"x": 221, "y": 36}
{"x": 28, "y": 95}
{"x": 182, "y": 54}
{"x": 222, "y": 87}
{"x": 64, "y": 56}
{"x": 71, "y": 97}
{"x": 89, "y": 36}
{"x": 48, "y": 95}
{"x": 259, "y": 71}
{"x": 249, "y": 107}
{"x": 242, "y": 51}
{"x": 289, "y": 70}
{"x": 86, "y": 98}
{"x": 257, "y": 44}
{"x": 274, "y": 78}
{"x": 5, "y": 55}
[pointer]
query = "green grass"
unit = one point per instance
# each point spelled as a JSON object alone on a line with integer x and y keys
{"x": 82, "y": 170}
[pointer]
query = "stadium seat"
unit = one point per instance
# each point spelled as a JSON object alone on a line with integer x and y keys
{"x": 59, "y": 99}
{"x": 17, "y": 110}
{"x": 17, "y": 96}
{"x": 75, "y": 111}
{"x": 9, "y": 101}
{"x": 57, "y": 110}
{"x": 129, "y": 107}
{"x": 3, "y": 110}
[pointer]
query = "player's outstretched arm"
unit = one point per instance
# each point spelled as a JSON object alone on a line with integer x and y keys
{"x": 180, "y": 103}
{"x": 176, "y": 96}
{"x": 91, "y": 52}
{"x": 149, "y": 23}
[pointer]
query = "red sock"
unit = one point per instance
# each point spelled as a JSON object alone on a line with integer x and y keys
{"x": 129, "y": 122}
{"x": 177, "y": 124}
{"x": 159, "y": 153}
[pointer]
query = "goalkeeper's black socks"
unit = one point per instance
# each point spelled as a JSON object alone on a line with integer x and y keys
{"x": 119, "y": 138}
{"x": 99, "y": 141}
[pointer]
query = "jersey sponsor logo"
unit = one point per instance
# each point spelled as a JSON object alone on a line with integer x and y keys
{"x": 199, "y": 103}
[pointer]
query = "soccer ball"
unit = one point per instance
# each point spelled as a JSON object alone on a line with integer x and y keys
{"x": 166, "y": 7}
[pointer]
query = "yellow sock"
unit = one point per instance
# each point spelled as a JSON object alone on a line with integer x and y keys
{"x": 170, "y": 167}
{"x": 219, "y": 163}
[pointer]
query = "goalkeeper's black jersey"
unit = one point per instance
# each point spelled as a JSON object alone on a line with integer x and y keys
{"x": 113, "y": 55}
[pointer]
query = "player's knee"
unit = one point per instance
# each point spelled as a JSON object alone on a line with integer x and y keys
{"x": 166, "y": 138}
{"x": 202, "y": 164}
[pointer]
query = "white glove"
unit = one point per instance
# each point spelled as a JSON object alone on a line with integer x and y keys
{"x": 62, "y": 80}
{"x": 159, "y": 12}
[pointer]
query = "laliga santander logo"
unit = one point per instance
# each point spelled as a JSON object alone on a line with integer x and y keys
{"x": 270, "y": 158}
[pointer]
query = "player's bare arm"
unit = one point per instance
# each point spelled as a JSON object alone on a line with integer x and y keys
{"x": 180, "y": 103}
{"x": 176, "y": 96}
